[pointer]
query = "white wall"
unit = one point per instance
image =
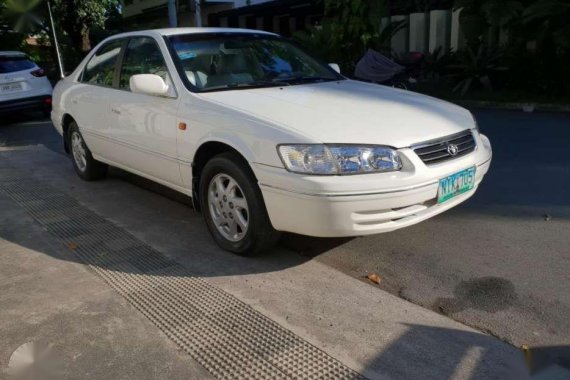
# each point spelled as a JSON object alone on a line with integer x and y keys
{"x": 439, "y": 29}
{"x": 399, "y": 40}
{"x": 426, "y": 31}
{"x": 456, "y": 40}
{"x": 418, "y": 29}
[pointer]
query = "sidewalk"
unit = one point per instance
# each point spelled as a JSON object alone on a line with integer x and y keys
{"x": 102, "y": 329}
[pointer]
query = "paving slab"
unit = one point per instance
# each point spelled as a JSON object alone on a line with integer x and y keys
{"x": 46, "y": 297}
{"x": 366, "y": 329}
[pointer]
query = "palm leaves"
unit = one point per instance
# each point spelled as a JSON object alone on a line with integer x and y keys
{"x": 502, "y": 12}
{"x": 436, "y": 63}
{"x": 477, "y": 68}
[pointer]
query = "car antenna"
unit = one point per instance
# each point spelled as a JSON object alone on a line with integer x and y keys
{"x": 57, "y": 52}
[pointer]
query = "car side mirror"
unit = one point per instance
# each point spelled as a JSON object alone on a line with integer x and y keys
{"x": 335, "y": 67}
{"x": 149, "y": 84}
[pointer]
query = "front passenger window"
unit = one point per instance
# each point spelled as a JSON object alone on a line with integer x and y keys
{"x": 143, "y": 56}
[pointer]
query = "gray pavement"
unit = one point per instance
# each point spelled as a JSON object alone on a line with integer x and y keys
{"x": 46, "y": 297}
{"x": 494, "y": 264}
{"x": 501, "y": 261}
{"x": 28, "y": 129}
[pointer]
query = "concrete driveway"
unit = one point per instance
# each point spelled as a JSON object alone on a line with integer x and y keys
{"x": 499, "y": 264}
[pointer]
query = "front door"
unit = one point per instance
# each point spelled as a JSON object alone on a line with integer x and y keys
{"x": 144, "y": 126}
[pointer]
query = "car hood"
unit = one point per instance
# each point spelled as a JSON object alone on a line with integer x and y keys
{"x": 350, "y": 112}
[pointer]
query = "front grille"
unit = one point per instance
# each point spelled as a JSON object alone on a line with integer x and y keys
{"x": 435, "y": 151}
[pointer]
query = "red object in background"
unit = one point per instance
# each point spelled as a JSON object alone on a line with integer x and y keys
{"x": 416, "y": 56}
{"x": 47, "y": 101}
{"x": 39, "y": 73}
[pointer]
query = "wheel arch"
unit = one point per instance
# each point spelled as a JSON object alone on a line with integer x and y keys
{"x": 204, "y": 153}
{"x": 65, "y": 122}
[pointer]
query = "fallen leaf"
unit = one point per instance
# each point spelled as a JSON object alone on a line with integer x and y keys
{"x": 72, "y": 246}
{"x": 527, "y": 355}
{"x": 375, "y": 278}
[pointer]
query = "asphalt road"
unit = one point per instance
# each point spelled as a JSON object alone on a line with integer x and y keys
{"x": 29, "y": 129}
{"x": 500, "y": 262}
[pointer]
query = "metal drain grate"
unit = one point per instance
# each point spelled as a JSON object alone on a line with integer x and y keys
{"x": 229, "y": 338}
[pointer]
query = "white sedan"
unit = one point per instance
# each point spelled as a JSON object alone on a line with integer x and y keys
{"x": 264, "y": 137}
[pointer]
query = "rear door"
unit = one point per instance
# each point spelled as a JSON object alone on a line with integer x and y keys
{"x": 90, "y": 98}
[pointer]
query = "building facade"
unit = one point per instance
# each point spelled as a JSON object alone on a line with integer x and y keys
{"x": 154, "y": 13}
{"x": 423, "y": 30}
{"x": 281, "y": 16}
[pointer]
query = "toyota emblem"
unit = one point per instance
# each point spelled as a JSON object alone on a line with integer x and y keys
{"x": 452, "y": 149}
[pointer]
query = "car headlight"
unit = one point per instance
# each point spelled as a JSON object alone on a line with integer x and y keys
{"x": 331, "y": 159}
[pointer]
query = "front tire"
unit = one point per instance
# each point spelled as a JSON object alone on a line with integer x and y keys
{"x": 233, "y": 208}
{"x": 84, "y": 164}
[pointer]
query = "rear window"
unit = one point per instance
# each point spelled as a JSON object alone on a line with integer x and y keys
{"x": 13, "y": 64}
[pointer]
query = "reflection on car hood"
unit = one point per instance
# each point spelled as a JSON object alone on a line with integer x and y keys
{"x": 350, "y": 112}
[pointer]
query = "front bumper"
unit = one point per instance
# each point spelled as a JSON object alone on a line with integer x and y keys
{"x": 349, "y": 206}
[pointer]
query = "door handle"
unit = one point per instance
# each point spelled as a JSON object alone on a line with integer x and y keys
{"x": 116, "y": 110}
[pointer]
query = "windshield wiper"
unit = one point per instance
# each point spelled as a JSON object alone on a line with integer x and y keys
{"x": 261, "y": 83}
{"x": 254, "y": 84}
{"x": 307, "y": 79}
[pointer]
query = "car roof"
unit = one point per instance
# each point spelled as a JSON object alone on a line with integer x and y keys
{"x": 12, "y": 54}
{"x": 177, "y": 31}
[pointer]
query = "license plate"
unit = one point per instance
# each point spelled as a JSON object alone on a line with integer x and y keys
{"x": 11, "y": 87}
{"x": 456, "y": 184}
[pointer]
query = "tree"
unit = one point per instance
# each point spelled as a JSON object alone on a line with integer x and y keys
{"x": 549, "y": 19}
{"x": 348, "y": 29}
{"x": 353, "y": 26}
{"x": 77, "y": 17}
{"x": 354, "y": 23}
{"x": 75, "y": 20}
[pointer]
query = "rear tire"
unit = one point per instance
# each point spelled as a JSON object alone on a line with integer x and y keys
{"x": 84, "y": 164}
{"x": 233, "y": 208}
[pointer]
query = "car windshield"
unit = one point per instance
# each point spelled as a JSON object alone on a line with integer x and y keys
{"x": 10, "y": 64}
{"x": 230, "y": 61}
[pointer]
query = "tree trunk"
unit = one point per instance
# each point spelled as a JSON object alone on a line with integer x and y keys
{"x": 85, "y": 40}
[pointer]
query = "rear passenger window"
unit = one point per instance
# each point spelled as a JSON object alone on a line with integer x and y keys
{"x": 143, "y": 56}
{"x": 100, "y": 69}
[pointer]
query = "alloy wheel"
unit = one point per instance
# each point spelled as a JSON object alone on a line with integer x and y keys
{"x": 78, "y": 150}
{"x": 228, "y": 207}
